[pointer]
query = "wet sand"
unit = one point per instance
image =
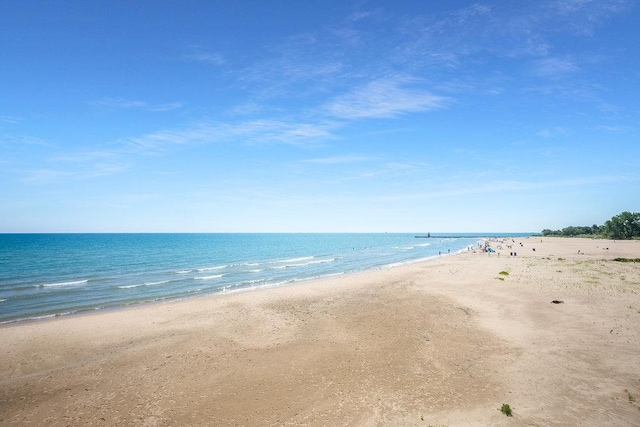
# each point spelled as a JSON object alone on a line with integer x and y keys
{"x": 442, "y": 342}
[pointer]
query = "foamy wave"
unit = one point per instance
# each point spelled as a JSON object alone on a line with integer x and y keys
{"x": 424, "y": 244}
{"x": 74, "y": 283}
{"x": 224, "y": 289}
{"x": 3, "y": 300}
{"x": 283, "y": 282}
{"x": 183, "y": 271}
{"x": 162, "y": 282}
{"x": 302, "y": 264}
{"x": 217, "y": 276}
{"x": 44, "y": 316}
{"x": 320, "y": 261}
{"x": 332, "y": 275}
{"x": 292, "y": 260}
{"x": 219, "y": 267}
{"x": 321, "y": 276}
{"x": 263, "y": 283}
{"x": 257, "y": 270}
{"x": 244, "y": 264}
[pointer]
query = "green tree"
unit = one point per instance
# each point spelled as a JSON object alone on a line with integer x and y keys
{"x": 623, "y": 226}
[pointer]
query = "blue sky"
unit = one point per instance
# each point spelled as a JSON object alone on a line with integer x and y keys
{"x": 305, "y": 116}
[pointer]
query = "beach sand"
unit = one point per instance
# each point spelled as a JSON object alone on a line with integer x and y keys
{"x": 444, "y": 342}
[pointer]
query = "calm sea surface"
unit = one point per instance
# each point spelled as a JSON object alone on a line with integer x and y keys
{"x": 44, "y": 275}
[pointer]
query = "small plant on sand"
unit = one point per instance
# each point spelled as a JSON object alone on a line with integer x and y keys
{"x": 506, "y": 409}
{"x": 560, "y": 259}
{"x": 631, "y": 397}
{"x": 504, "y": 273}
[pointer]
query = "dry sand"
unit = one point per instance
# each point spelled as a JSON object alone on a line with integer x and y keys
{"x": 443, "y": 343}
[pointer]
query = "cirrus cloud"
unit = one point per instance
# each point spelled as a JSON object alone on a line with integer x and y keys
{"x": 384, "y": 98}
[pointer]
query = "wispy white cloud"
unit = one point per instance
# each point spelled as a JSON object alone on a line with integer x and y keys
{"x": 364, "y": 14}
{"x": 16, "y": 141}
{"x": 504, "y": 186}
{"x": 346, "y": 159}
{"x": 116, "y": 103}
{"x": 463, "y": 16}
{"x": 198, "y": 53}
{"x": 318, "y": 63}
{"x": 300, "y": 134}
{"x": 85, "y": 156}
{"x": 384, "y": 98}
{"x": 614, "y": 129}
{"x": 76, "y": 173}
{"x": 120, "y": 155}
{"x": 555, "y": 67}
{"x": 408, "y": 166}
{"x": 523, "y": 30}
{"x": 576, "y": 90}
{"x": 453, "y": 38}
{"x": 165, "y": 107}
{"x": 583, "y": 16}
{"x": 9, "y": 119}
{"x": 554, "y": 131}
{"x": 289, "y": 68}
{"x": 44, "y": 175}
{"x": 250, "y": 108}
{"x": 248, "y": 133}
{"x": 209, "y": 58}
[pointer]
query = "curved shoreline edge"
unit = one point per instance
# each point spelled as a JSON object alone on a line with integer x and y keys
{"x": 91, "y": 308}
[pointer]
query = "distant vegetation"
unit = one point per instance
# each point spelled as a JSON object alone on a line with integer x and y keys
{"x": 506, "y": 409}
{"x": 623, "y": 226}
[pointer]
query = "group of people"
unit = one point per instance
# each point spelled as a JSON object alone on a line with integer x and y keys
{"x": 490, "y": 250}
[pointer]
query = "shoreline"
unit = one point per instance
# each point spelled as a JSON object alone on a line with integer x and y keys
{"x": 93, "y": 281}
{"x": 142, "y": 304}
{"x": 223, "y": 291}
{"x": 445, "y": 340}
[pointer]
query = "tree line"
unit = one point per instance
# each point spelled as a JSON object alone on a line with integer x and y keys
{"x": 625, "y": 225}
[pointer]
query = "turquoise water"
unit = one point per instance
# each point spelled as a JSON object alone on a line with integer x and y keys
{"x": 44, "y": 275}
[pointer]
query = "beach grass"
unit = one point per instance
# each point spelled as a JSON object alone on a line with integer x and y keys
{"x": 506, "y": 409}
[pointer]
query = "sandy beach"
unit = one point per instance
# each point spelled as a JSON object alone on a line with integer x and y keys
{"x": 443, "y": 342}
